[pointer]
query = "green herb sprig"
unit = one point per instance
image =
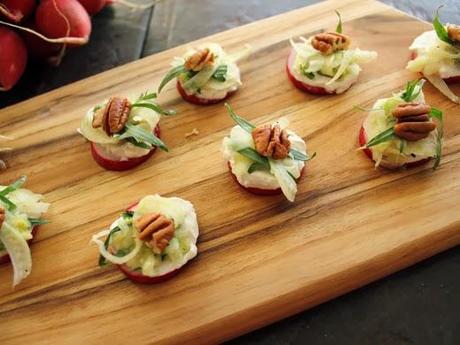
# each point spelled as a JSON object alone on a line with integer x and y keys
{"x": 139, "y": 136}
{"x": 37, "y": 221}
{"x": 339, "y": 28}
{"x": 438, "y": 115}
{"x": 11, "y": 188}
{"x": 173, "y": 73}
{"x": 440, "y": 29}
{"x": 246, "y": 125}
{"x": 145, "y": 100}
{"x": 386, "y": 135}
{"x": 412, "y": 90}
{"x": 221, "y": 73}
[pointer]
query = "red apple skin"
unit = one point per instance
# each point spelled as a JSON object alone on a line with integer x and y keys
{"x": 139, "y": 277}
{"x": 199, "y": 100}
{"x": 131, "y": 163}
{"x": 6, "y": 258}
{"x": 451, "y": 80}
{"x": 315, "y": 90}
{"x": 362, "y": 140}
{"x": 260, "y": 191}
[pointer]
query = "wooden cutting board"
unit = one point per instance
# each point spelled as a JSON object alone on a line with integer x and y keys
{"x": 261, "y": 258}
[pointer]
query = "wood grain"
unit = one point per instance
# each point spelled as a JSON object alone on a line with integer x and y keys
{"x": 261, "y": 258}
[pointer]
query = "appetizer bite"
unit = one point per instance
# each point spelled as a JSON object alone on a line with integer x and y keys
{"x": 324, "y": 64}
{"x": 20, "y": 216}
{"x": 267, "y": 159}
{"x": 152, "y": 240}
{"x": 436, "y": 54}
{"x": 206, "y": 75}
{"x": 400, "y": 131}
{"x": 124, "y": 134}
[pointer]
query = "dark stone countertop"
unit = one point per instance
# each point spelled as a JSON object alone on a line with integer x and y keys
{"x": 418, "y": 305}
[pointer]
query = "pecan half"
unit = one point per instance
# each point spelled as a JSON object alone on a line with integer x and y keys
{"x": 113, "y": 117}
{"x": 453, "y": 31}
{"x": 330, "y": 42}
{"x": 199, "y": 60}
{"x": 413, "y": 121}
{"x": 156, "y": 230}
{"x": 271, "y": 141}
{"x": 2, "y": 216}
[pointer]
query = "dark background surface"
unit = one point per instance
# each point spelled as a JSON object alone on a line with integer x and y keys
{"x": 419, "y": 305}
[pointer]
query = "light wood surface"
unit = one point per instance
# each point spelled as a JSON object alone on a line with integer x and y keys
{"x": 260, "y": 258}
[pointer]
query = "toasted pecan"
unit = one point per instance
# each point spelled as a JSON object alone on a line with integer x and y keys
{"x": 156, "y": 230}
{"x": 271, "y": 141}
{"x": 330, "y": 42}
{"x": 113, "y": 117}
{"x": 413, "y": 121}
{"x": 199, "y": 60}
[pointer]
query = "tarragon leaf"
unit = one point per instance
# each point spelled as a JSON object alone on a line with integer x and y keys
{"x": 14, "y": 186}
{"x": 299, "y": 156}
{"x": 412, "y": 90}
{"x": 437, "y": 114}
{"x": 440, "y": 29}
{"x": 221, "y": 73}
{"x": 252, "y": 154}
{"x": 37, "y": 221}
{"x": 246, "y": 125}
{"x": 142, "y": 136}
{"x": 338, "y": 29}
{"x": 384, "y": 136}
{"x": 256, "y": 167}
{"x": 173, "y": 73}
{"x": 154, "y": 107}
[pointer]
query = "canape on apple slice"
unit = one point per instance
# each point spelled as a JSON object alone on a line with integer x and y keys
{"x": 267, "y": 159}
{"x": 20, "y": 216}
{"x": 124, "y": 134}
{"x": 152, "y": 240}
{"x": 436, "y": 54}
{"x": 403, "y": 131}
{"x": 206, "y": 75}
{"x": 324, "y": 63}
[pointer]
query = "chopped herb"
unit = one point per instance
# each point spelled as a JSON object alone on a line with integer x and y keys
{"x": 37, "y": 221}
{"x": 309, "y": 75}
{"x": 412, "y": 90}
{"x": 384, "y": 136}
{"x": 140, "y": 135}
{"x": 138, "y": 143}
{"x": 102, "y": 260}
{"x": 221, "y": 73}
{"x": 173, "y": 73}
{"x": 338, "y": 29}
{"x": 155, "y": 107}
{"x": 147, "y": 96}
{"x": 246, "y": 125}
{"x": 128, "y": 216}
{"x": 163, "y": 256}
{"x": 257, "y": 167}
{"x": 441, "y": 29}
{"x": 437, "y": 114}
{"x": 96, "y": 108}
{"x": 252, "y": 154}
{"x": 299, "y": 156}
{"x": 402, "y": 145}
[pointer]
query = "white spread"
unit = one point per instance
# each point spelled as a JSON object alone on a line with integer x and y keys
{"x": 113, "y": 148}
{"x": 434, "y": 56}
{"x": 180, "y": 249}
{"x": 205, "y": 86}
{"x": 388, "y": 154}
{"x": 261, "y": 179}
{"x": 335, "y": 72}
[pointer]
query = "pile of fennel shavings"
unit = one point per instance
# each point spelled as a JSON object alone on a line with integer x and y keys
{"x": 286, "y": 181}
{"x": 220, "y": 71}
{"x": 336, "y": 66}
{"x": 444, "y": 52}
{"x": 136, "y": 134}
{"x": 23, "y": 210}
{"x": 412, "y": 92}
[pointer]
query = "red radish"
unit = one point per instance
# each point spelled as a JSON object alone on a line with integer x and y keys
{"x": 93, "y": 6}
{"x": 16, "y": 10}
{"x": 13, "y": 58}
{"x": 260, "y": 191}
{"x": 362, "y": 139}
{"x": 63, "y": 18}
{"x": 114, "y": 165}
{"x": 41, "y": 49}
{"x": 6, "y": 258}
{"x": 199, "y": 100}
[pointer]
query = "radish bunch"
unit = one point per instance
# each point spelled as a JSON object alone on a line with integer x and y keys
{"x": 41, "y": 29}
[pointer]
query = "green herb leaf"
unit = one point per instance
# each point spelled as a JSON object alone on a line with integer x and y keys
{"x": 102, "y": 260}
{"x": 309, "y": 75}
{"x": 299, "y": 156}
{"x": 437, "y": 114}
{"x": 96, "y": 108}
{"x": 14, "y": 186}
{"x": 441, "y": 29}
{"x": 146, "y": 96}
{"x": 221, "y": 73}
{"x": 256, "y": 167}
{"x": 140, "y": 144}
{"x": 384, "y": 136}
{"x": 142, "y": 136}
{"x": 9, "y": 205}
{"x": 37, "y": 221}
{"x": 402, "y": 145}
{"x": 155, "y": 107}
{"x": 173, "y": 73}
{"x": 412, "y": 90}
{"x": 246, "y": 125}
{"x": 252, "y": 154}
{"x": 338, "y": 29}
